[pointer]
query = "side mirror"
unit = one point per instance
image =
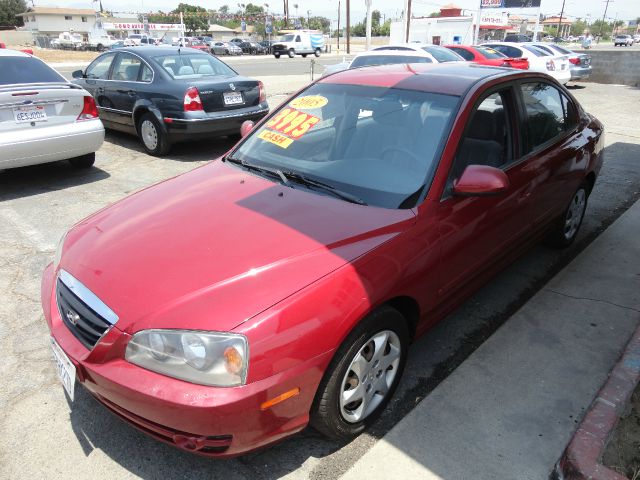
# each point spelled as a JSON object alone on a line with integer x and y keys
{"x": 481, "y": 180}
{"x": 78, "y": 74}
{"x": 246, "y": 127}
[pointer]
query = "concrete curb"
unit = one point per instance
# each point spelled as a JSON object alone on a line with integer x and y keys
{"x": 581, "y": 459}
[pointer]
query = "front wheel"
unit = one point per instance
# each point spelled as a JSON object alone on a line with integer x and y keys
{"x": 291, "y": 53}
{"x": 277, "y": 55}
{"x": 317, "y": 52}
{"x": 566, "y": 229}
{"x": 153, "y": 138}
{"x": 362, "y": 376}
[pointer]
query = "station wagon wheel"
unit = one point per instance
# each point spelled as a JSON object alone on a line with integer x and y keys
{"x": 566, "y": 228}
{"x": 362, "y": 376}
{"x": 154, "y": 139}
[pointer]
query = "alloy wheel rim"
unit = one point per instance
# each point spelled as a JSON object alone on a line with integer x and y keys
{"x": 149, "y": 134}
{"x": 574, "y": 214}
{"x": 370, "y": 375}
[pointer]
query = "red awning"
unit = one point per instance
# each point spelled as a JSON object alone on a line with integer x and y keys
{"x": 494, "y": 27}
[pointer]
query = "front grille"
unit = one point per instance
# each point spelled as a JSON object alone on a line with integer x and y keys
{"x": 79, "y": 309}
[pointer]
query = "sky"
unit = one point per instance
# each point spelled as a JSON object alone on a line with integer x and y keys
{"x": 618, "y": 9}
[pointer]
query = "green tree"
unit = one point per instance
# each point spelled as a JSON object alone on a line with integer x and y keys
{"x": 385, "y": 29}
{"x": 578, "y": 27}
{"x": 224, "y": 9}
{"x": 434, "y": 14}
{"x": 8, "y": 11}
{"x": 252, "y": 9}
{"x": 195, "y": 17}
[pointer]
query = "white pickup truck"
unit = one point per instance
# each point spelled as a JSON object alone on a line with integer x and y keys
{"x": 68, "y": 41}
{"x": 101, "y": 42}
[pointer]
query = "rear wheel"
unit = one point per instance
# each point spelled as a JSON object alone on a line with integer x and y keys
{"x": 153, "y": 138}
{"x": 85, "y": 161}
{"x": 317, "y": 52}
{"x": 277, "y": 55}
{"x": 291, "y": 53}
{"x": 362, "y": 376}
{"x": 566, "y": 229}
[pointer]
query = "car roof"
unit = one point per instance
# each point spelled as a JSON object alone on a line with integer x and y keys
{"x": 451, "y": 78}
{"x": 148, "y": 51}
{"x": 7, "y": 52}
{"x": 394, "y": 53}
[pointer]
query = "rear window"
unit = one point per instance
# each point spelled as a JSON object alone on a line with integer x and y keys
{"x": 560, "y": 49}
{"x": 442, "y": 54}
{"x": 27, "y": 70}
{"x": 189, "y": 66}
{"x": 536, "y": 51}
{"x": 489, "y": 53}
{"x": 370, "y": 60}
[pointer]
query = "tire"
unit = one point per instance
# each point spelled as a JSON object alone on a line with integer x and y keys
{"x": 83, "y": 162}
{"x": 152, "y": 136}
{"x": 344, "y": 421}
{"x": 291, "y": 53}
{"x": 565, "y": 231}
{"x": 226, "y": 52}
{"x": 317, "y": 52}
{"x": 277, "y": 55}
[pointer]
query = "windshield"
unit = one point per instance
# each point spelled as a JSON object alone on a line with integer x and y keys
{"x": 369, "y": 60}
{"x": 27, "y": 70}
{"x": 380, "y": 145}
{"x": 489, "y": 52}
{"x": 443, "y": 55}
{"x": 287, "y": 38}
{"x": 191, "y": 66}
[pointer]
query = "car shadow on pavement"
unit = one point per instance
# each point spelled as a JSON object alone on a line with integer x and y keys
{"x": 192, "y": 151}
{"x": 98, "y": 429}
{"x": 37, "y": 179}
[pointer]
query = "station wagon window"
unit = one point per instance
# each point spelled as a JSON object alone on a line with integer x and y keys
{"x": 126, "y": 68}
{"x": 570, "y": 113}
{"x": 487, "y": 138}
{"x": 99, "y": 69}
{"x": 545, "y": 113}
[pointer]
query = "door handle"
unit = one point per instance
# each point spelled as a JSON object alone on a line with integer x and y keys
{"x": 100, "y": 90}
{"x": 131, "y": 93}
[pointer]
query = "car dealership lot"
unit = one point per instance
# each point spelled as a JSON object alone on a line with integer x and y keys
{"x": 42, "y": 436}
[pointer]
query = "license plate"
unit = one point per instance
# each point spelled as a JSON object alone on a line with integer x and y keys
{"x": 66, "y": 369}
{"x": 232, "y": 98}
{"x": 31, "y": 113}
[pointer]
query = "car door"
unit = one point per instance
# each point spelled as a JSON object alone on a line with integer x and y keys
{"x": 477, "y": 232}
{"x": 553, "y": 147}
{"x": 95, "y": 79}
{"x": 122, "y": 88}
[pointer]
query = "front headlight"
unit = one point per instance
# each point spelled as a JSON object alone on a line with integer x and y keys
{"x": 58, "y": 255}
{"x": 207, "y": 358}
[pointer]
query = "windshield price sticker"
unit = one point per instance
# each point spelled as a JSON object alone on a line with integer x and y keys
{"x": 293, "y": 123}
{"x": 309, "y": 102}
{"x": 275, "y": 138}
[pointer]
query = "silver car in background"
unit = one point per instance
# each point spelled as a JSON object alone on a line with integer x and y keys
{"x": 43, "y": 117}
{"x": 580, "y": 67}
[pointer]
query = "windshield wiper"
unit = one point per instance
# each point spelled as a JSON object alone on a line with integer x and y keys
{"x": 256, "y": 168}
{"x": 310, "y": 182}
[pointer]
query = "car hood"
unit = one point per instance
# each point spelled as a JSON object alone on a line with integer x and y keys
{"x": 216, "y": 246}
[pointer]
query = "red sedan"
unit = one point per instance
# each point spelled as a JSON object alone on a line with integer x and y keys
{"x": 282, "y": 284}
{"x": 488, "y": 56}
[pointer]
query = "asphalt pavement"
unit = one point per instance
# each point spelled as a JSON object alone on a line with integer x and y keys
{"x": 43, "y": 436}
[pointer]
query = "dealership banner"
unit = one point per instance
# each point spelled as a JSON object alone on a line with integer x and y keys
{"x": 141, "y": 26}
{"x": 510, "y": 3}
{"x": 490, "y": 18}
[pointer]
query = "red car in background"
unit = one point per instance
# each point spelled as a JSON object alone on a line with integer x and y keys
{"x": 488, "y": 56}
{"x": 281, "y": 285}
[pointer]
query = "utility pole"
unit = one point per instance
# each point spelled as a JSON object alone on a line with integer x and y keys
{"x": 560, "y": 22}
{"x": 476, "y": 30}
{"x": 368, "y": 3}
{"x": 603, "y": 17}
{"x": 348, "y": 27}
{"x": 408, "y": 20}
{"x": 338, "y": 26}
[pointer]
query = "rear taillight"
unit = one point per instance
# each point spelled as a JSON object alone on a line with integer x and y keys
{"x": 263, "y": 92}
{"x": 551, "y": 66}
{"x": 89, "y": 109}
{"x": 575, "y": 60}
{"x": 192, "y": 102}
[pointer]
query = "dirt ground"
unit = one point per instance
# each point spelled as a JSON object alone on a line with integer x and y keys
{"x": 60, "y": 56}
{"x": 623, "y": 451}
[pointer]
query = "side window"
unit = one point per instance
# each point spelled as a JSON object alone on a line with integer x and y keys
{"x": 487, "y": 137}
{"x": 468, "y": 56}
{"x": 147, "y": 73}
{"x": 570, "y": 113}
{"x": 100, "y": 67}
{"x": 126, "y": 68}
{"x": 544, "y": 113}
{"x": 508, "y": 50}
{"x": 297, "y": 38}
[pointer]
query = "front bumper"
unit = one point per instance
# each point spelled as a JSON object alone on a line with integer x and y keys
{"x": 50, "y": 144}
{"x": 223, "y": 123}
{"x": 206, "y": 420}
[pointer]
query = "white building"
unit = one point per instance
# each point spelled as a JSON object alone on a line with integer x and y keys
{"x": 436, "y": 30}
{"x": 52, "y": 21}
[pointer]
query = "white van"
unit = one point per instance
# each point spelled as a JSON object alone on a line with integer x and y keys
{"x": 299, "y": 43}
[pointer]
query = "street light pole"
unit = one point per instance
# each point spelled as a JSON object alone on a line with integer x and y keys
{"x": 368, "y": 3}
{"x": 348, "y": 27}
{"x": 560, "y": 21}
{"x": 408, "y": 20}
{"x": 338, "y": 26}
{"x": 603, "y": 17}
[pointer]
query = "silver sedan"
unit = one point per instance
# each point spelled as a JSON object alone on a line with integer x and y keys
{"x": 43, "y": 117}
{"x": 225, "y": 48}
